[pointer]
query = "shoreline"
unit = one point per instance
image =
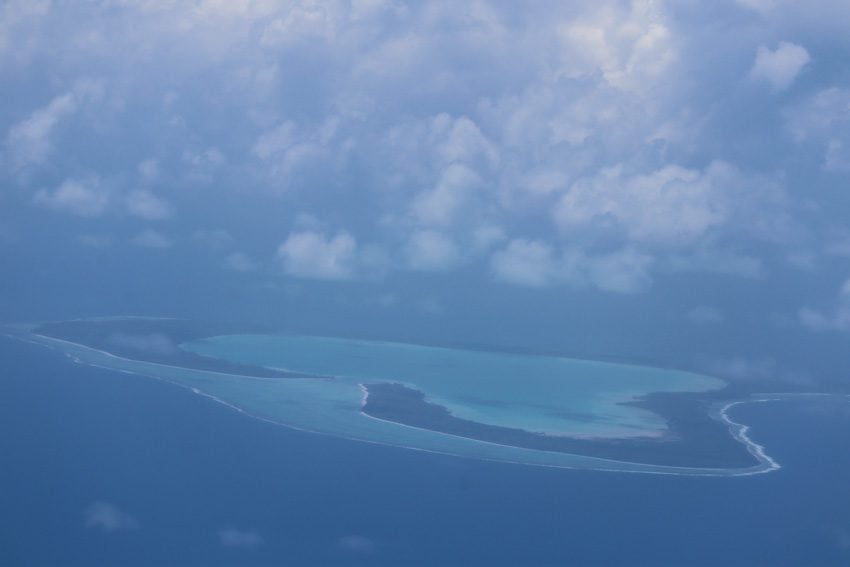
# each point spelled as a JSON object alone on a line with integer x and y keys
{"x": 48, "y": 339}
{"x": 736, "y": 431}
{"x": 683, "y": 471}
{"x": 741, "y": 432}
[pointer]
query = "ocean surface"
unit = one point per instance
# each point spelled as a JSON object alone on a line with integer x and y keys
{"x": 107, "y": 468}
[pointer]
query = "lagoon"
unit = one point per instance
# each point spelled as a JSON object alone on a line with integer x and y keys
{"x": 542, "y": 394}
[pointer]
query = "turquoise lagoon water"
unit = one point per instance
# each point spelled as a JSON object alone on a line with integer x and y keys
{"x": 532, "y": 392}
{"x": 544, "y": 394}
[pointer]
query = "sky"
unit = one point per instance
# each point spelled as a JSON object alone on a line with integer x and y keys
{"x": 661, "y": 181}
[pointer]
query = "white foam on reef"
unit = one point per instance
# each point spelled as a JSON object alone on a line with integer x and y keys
{"x": 115, "y": 318}
{"x": 116, "y": 357}
{"x": 741, "y": 433}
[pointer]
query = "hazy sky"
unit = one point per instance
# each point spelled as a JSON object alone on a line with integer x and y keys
{"x": 635, "y": 177}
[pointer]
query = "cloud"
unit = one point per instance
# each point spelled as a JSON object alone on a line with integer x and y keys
{"x": 823, "y": 119}
{"x": 779, "y": 67}
{"x": 155, "y": 343}
{"x": 288, "y": 150}
{"x": 309, "y": 254}
{"x": 536, "y": 264}
{"x": 429, "y": 250}
{"x": 630, "y": 43}
{"x": 146, "y": 205}
{"x": 678, "y": 219}
{"x": 819, "y": 116}
{"x": 594, "y": 139}
{"x": 148, "y": 169}
{"x": 29, "y": 141}
{"x": 837, "y": 156}
{"x": 150, "y": 238}
{"x": 755, "y": 368}
{"x": 304, "y": 21}
{"x": 841, "y": 535}
{"x": 442, "y": 205}
{"x": 821, "y": 18}
{"x": 624, "y": 271}
{"x": 202, "y": 164}
{"x": 356, "y": 544}
{"x": 717, "y": 262}
{"x": 836, "y": 319}
{"x": 672, "y": 206}
{"x": 486, "y": 236}
{"x": 213, "y": 238}
{"x": 232, "y": 537}
{"x": 239, "y": 262}
{"x": 462, "y": 141}
{"x": 90, "y": 197}
{"x": 81, "y": 197}
{"x": 758, "y": 5}
{"x": 275, "y": 141}
{"x": 16, "y": 19}
{"x": 742, "y": 368}
{"x": 705, "y": 315}
{"x": 96, "y": 241}
{"x": 108, "y": 518}
{"x": 525, "y": 262}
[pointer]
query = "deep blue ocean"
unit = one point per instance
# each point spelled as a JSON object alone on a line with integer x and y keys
{"x": 186, "y": 470}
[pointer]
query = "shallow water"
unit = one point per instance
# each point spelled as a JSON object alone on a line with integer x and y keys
{"x": 544, "y": 394}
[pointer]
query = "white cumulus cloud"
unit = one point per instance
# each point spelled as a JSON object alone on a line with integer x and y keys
{"x": 146, "y": 205}
{"x": 156, "y": 343}
{"x": 310, "y": 254}
{"x": 239, "y": 262}
{"x": 107, "y": 517}
{"x": 535, "y": 263}
{"x": 705, "y": 315}
{"x": 356, "y": 544}
{"x": 443, "y": 204}
{"x": 232, "y": 537}
{"x": 525, "y": 262}
{"x": 629, "y": 43}
{"x": 429, "y": 250}
{"x": 150, "y": 238}
{"x": 81, "y": 197}
{"x": 624, "y": 271}
{"x": 780, "y": 66}
{"x": 835, "y": 319}
{"x": 672, "y": 206}
{"x": 29, "y": 141}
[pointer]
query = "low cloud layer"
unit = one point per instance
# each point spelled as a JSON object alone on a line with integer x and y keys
{"x": 614, "y": 147}
{"x": 232, "y": 537}
{"x": 310, "y": 254}
{"x": 154, "y": 343}
{"x": 779, "y": 67}
{"x": 357, "y": 544}
{"x": 107, "y": 517}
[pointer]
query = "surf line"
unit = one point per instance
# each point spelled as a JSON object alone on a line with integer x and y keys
{"x": 765, "y": 464}
{"x": 741, "y": 432}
